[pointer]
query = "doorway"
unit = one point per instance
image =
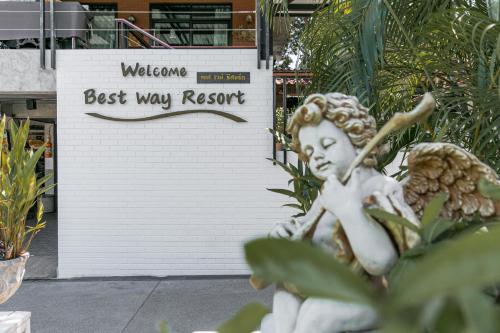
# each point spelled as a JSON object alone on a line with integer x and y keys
{"x": 43, "y": 250}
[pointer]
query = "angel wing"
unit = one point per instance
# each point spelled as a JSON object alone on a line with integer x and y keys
{"x": 444, "y": 167}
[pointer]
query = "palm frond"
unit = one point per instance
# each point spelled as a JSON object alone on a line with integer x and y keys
{"x": 388, "y": 53}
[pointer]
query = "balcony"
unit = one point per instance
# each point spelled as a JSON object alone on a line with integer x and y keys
{"x": 32, "y": 32}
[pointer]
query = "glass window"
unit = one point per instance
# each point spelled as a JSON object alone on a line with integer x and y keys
{"x": 102, "y": 35}
{"x": 197, "y": 25}
{"x": 173, "y": 33}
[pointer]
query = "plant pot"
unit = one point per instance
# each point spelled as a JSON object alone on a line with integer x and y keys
{"x": 11, "y": 276}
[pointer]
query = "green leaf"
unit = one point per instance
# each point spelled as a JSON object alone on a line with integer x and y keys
{"x": 382, "y": 214}
{"x": 163, "y": 327}
{"x": 283, "y": 166}
{"x": 398, "y": 325}
{"x": 2, "y": 129}
{"x": 489, "y": 189}
{"x": 246, "y": 320}
{"x": 450, "y": 318}
{"x": 31, "y": 163}
{"x": 45, "y": 189}
{"x": 44, "y": 179}
{"x": 13, "y": 129}
{"x": 471, "y": 261}
{"x": 19, "y": 139}
{"x": 479, "y": 311}
{"x": 433, "y": 208}
{"x": 417, "y": 251}
{"x": 294, "y": 169}
{"x": 293, "y": 206}
{"x": 39, "y": 212}
{"x": 312, "y": 271}
{"x": 402, "y": 266}
{"x": 283, "y": 191}
{"x": 436, "y": 228}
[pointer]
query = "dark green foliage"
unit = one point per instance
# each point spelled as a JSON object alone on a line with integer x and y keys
{"x": 305, "y": 186}
{"x": 389, "y": 52}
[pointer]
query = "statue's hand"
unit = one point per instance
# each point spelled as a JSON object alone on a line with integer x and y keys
{"x": 341, "y": 199}
{"x": 284, "y": 229}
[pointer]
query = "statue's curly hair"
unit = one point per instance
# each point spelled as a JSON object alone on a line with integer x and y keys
{"x": 343, "y": 111}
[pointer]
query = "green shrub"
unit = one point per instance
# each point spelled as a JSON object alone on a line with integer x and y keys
{"x": 20, "y": 190}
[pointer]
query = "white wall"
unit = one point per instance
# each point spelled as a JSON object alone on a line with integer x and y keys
{"x": 175, "y": 196}
{"x": 20, "y": 72}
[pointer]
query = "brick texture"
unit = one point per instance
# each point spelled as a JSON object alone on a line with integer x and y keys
{"x": 174, "y": 196}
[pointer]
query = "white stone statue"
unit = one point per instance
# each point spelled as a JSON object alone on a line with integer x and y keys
{"x": 329, "y": 132}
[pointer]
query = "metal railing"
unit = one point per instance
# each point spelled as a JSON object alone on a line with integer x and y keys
{"x": 124, "y": 27}
{"x": 288, "y": 89}
{"x": 129, "y": 34}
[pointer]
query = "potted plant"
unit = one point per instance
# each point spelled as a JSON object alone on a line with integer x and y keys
{"x": 20, "y": 191}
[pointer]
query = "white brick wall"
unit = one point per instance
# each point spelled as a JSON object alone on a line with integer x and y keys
{"x": 174, "y": 196}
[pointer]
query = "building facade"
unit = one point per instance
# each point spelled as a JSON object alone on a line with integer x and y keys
{"x": 157, "y": 115}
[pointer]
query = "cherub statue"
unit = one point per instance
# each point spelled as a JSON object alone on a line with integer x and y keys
{"x": 337, "y": 138}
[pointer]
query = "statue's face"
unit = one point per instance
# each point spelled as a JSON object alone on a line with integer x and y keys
{"x": 328, "y": 148}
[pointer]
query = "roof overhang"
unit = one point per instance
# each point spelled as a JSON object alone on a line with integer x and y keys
{"x": 14, "y": 96}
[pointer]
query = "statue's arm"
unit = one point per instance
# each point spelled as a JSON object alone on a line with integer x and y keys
{"x": 312, "y": 213}
{"x": 391, "y": 199}
{"x": 369, "y": 241}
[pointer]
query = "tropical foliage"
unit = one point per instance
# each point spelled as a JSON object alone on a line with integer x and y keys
{"x": 20, "y": 191}
{"x": 389, "y": 52}
{"x": 305, "y": 186}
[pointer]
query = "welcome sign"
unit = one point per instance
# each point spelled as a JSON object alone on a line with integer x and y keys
{"x": 173, "y": 196}
{"x": 164, "y": 101}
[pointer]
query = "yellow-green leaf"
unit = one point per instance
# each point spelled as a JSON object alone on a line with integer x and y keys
{"x": 382, "y": 214}
{"x": 433, "y": 208}
{"x": 436, "y": 228}
{"x": 39, "y": 213}
{"x": 489, "y": 189}
{"x": 246, "y": 320}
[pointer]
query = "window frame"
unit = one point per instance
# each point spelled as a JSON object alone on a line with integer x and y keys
{"x": 190, "y": 21}
{"x": 113, "y": 11}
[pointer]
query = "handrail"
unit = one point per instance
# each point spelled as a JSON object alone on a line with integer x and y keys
{"x": 133, "y": 11}
{"x": 141, "y": 40}
{"x": 42, "y": 34}
{"x": 52, "y": 35}
{"x": 142, "y": 31}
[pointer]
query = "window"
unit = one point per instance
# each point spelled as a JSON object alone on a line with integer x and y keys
{"x": 103, "y": 26}
{"x": 197, "y": 25}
